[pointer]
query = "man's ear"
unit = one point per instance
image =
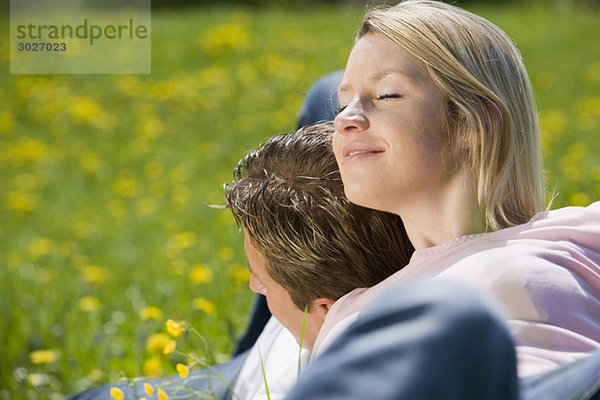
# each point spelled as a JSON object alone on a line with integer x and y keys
{"x": 322, "y": 304}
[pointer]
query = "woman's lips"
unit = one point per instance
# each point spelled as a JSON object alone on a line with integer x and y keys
{"x": 355, "y": 151}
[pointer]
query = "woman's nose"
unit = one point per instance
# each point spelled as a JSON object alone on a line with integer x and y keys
{"x": 352, "y": 118}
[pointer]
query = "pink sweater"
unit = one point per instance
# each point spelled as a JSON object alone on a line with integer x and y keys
{"x": 545, "y": 273}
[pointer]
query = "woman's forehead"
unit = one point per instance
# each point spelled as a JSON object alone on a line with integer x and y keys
{"x": 375, "y": 57}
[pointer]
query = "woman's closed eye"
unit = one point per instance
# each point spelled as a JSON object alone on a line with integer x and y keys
{"x": 382, "y": 97}
{"x": 389, "y": 96}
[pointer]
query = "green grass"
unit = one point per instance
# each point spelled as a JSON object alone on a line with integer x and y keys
{"x": 105, "y": 178}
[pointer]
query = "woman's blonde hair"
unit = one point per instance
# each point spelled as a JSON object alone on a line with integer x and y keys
{"x": 491, "y": 117}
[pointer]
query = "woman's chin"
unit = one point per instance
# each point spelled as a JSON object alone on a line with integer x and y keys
{"x": 364, "y": 196}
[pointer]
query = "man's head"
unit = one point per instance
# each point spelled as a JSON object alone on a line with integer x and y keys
{"x": 307, "y": 245}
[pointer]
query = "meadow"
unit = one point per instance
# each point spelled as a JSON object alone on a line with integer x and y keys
{"x": 105, "y": 229}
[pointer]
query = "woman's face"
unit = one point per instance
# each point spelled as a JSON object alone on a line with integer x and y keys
{"x": 388, "y": 134}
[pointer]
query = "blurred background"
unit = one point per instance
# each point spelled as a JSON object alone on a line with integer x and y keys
{"x": 105, "y": 233}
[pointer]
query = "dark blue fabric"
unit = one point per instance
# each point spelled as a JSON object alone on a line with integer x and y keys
{"x": 259, "y": 318}
{"x": 218, "y": 381}
{"x": 321, "y": 102}
{"x": 419, "y": 340}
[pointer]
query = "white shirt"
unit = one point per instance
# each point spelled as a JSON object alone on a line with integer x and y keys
{"x": 279, "y": 352}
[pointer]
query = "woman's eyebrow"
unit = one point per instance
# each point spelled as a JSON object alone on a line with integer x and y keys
{"x": 382, "y": 74}
{"x": 344, "y": 87}
{"x": 406, "y": 77}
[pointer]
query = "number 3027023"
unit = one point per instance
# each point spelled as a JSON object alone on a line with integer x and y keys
{"x": 41, "y": 46}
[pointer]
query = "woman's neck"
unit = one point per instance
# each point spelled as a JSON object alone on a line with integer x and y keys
{"x": 435, "y": 218}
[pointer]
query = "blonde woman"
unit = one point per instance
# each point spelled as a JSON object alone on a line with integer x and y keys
{"x": 438, "y": 125}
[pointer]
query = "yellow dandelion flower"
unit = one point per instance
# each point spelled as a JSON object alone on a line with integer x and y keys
{"x": 177, "y": 266}
{"x": 224, "y": 40}
{"x": 126, "y": 186}
{"x": 41, "y": 246}
{"x": 163, "y": 89}
{"x": 162, "y": 395}
{"x": 26, "y": 182}
{"x": 156, "y": 343}
{"x": 96, "y": 375}
{"x": 43, "y": 356}
{"x": 21, "y": 201}
{"x": 93, "y": 274}
{"x": 116, "y": 208}
{"x": 182, "y": 370}
{"x": 146, "y": 206}
{"x": 247, "y": 73}
{"x": 205, "y": 305}
{"x": 181, "y": 194}
{"x": 89, "y": 304}
{"x": 148, "y": 389}
{"x": 7, "y": 121}
{"x": 150, "y": 312}
{"x": 184, "y": 240}
{"x": 130, "y": 85}
{"x": 175, "y": 328}
{"x": 152, "y": 367}
{"x": 150, "y": 128}
{"x": 240, "y": 274}
{"x": 154, "y": 169}
{"x": 28, "y": 150}
{"x": 170, "y": 347}
{"x": 179, "y": 174}
{"x": 90, "y": 161}
{"x": 201, "y": 274}
{"x": 180, "y": 241}
{"x": 85, "y": 109}
{"x": 82, "y": 229}
{"x": 579, "y": 199}
{"x": 225, "y": 253}
{"x": 116, "y": 393}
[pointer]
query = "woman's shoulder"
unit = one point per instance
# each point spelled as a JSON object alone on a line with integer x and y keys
{"x": 577, "y": 225}
{"x": 569, "y": 215}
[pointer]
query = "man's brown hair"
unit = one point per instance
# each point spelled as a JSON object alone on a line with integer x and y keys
{"x": 289, "y": 197}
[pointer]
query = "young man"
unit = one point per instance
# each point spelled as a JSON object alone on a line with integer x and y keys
{"x": 320, "y": 104}
{"x": 307, "y": 246}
